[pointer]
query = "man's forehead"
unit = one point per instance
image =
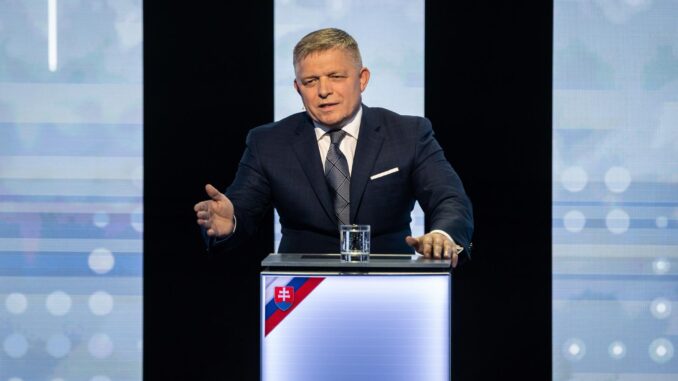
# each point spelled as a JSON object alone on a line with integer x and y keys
{"x": 334, "y": 57}
{"x": 321, "y": 52}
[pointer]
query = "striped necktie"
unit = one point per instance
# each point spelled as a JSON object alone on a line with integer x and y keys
{"x": 338, "y": 177}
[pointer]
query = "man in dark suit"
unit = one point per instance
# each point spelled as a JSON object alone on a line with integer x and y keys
{"x": 341, "y": 162}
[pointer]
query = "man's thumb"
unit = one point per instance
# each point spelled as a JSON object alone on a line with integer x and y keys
{"x": 213, "y": 192}
{"x": 412, "y": 241}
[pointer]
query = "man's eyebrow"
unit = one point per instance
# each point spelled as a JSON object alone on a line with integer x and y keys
{"x": 315, "y": 76}
{"x": 308, "y": 77}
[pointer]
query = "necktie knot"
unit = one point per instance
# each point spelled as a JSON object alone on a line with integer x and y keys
{"x": 336, "y": 136}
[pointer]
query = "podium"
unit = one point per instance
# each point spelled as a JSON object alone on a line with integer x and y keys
{"x": 386, "y": 319}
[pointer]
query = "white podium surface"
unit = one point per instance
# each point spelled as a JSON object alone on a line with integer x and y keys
{"x": 371, "y": 325}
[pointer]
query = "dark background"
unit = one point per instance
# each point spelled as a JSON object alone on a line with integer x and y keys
{"x": 209, "y": 79}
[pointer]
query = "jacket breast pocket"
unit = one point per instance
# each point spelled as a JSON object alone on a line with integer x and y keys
{"x": 388, "y": 181}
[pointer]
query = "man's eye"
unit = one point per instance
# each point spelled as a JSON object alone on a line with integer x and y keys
{"x": 309, "y": 82}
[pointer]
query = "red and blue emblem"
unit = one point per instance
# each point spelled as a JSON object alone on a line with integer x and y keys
{"x": 283, "y": 297}
{"x": 287, "y": 298}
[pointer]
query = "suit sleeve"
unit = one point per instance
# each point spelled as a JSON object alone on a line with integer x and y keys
{"x": 250, "y": 193}
{"x": 439, "y": 190}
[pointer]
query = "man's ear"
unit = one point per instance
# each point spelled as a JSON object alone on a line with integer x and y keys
{"x": 296, "y": 86}
{"x": 364, "y": 78}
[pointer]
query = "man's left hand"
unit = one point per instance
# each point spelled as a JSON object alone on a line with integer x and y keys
{"x": 434, "y": 245}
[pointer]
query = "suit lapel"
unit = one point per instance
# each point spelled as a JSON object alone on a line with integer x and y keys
{"x": 370, "y": 140}
{"x": 306, "y": 149}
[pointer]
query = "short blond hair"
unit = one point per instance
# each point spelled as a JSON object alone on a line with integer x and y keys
{"x": 326, "y": 39}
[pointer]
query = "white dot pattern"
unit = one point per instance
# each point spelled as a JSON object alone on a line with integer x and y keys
{"x": 16, "y": 303}
{"x": 617, "y": 179}
{"x": 661, "y": 266}
{"x": 101, "y": 261}
{"x": 574, "y": 221}
{"x": 617, "y": 221}
{"x": 15, "y": 345}
{"x": 100, "y": 346}
{"x": 574, "y": 349}
{"x": 58, "y": 303}
{"x": 661, "y": 350}
{"x": 574, "y": 179}
{"x": 58, "y": 345}
{"x": 617, "y": 350}
{"x": 660, "y": 308}
{"x": 101, "y": 303}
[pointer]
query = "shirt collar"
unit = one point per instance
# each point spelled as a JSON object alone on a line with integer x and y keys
{"x": 351, "y": 128}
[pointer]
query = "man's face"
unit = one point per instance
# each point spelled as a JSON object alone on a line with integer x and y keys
{"x": 330, "y": 85}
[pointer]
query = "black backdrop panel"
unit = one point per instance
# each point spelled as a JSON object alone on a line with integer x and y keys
{"x": 208, "y": 80}
{"x": 488, "y": 95}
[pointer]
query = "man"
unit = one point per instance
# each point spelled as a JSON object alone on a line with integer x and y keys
{"x": 341, "y": 162}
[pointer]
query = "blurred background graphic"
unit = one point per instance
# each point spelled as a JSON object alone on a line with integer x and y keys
{"x": 615, "y": 190}
{"x": 71, "y": 182}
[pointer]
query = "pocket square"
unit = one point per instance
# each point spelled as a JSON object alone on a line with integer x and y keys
{"x": 382, "y": 174}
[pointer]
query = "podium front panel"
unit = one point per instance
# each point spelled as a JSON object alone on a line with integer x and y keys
{"x": 370, "y": 326}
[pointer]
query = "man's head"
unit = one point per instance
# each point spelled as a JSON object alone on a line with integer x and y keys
{"x": 329, "y": 76}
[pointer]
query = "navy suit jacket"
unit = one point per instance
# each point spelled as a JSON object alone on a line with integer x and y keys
{"x": 281, "y": 167}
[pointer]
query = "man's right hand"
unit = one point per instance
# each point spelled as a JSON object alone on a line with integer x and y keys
{"x": 215, "y": 215}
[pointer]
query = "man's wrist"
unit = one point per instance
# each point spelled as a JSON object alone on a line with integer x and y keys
{"x": 224, "y": 238}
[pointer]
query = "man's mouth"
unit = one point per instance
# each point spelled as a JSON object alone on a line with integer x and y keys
{"x": 327, "y": 105}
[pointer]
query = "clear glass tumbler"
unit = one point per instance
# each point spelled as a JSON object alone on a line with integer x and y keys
{"x": 355, "y": 243}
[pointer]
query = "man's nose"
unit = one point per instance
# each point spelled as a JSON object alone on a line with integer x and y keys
{"x": 324, "y": 88}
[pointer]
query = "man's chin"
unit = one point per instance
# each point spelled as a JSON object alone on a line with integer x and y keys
{"x": 330, "y": 122}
